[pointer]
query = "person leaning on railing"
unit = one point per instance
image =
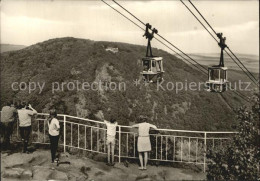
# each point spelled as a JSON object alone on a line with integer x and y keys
{"x": 25, "y": 121}
{"x": 54, "y": 132}
{"x": 8, "y": 116}
{"x": 143, "y": 142}
{"x": 110, "y": 142}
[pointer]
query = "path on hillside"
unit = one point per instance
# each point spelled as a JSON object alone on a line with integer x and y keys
{"x": 37, "y": 166}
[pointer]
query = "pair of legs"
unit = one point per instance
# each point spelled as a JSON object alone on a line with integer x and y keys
{"x": 7, "y": 128}
{"x": 54, "y": 140}
{"x": 25, "y": 135}
{"x": 110, "y": 151}
{"x": 144, "y": 161}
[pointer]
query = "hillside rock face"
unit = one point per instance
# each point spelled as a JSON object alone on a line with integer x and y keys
{"x": 38, "y": 166}
{"x": 58, "y": 69}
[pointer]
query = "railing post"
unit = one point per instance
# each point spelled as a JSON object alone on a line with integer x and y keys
{"x": 64, "y": 133}
{"x": 119, "y": 145}
{"x": 189, "y": 149}
{"x": 71, "y": 128}
{"x": 85, "y": 138}
{"x": 134, "y": 144}
{"x": 17, "y": 127}
{"x": 161, "y": 146}
{"x": 104, "y": 141}
{"x": 197, "y": 144}
{"x": 78, "y": 135}
{"x": 98, "y": 139}
{"x": 44, "y": 131}
{"x": 166, "y": 147}
{"x": 205, "y": 150}
{"x": 156, "y": 149}
{"x": 127, "y": 143}
{"x": 174, "y": 148}
{"x": 181, "y": 147}
{"x": 91, "y": 137}
{"x": 38, "y": 132}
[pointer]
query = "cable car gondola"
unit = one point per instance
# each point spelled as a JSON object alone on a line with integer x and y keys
{"x": 217, "y": 75}
{"x": 152, "y": 65}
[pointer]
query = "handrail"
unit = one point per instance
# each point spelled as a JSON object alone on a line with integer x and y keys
{"x": 185, "y": 148}
{"x": 68, "y": 116}
{"x": 123, "y": 126}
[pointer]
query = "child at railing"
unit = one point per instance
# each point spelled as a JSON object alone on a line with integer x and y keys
{"x": 143, "y": 142}
{"x": 111, "y": 133}
{"x": 54, "y": 131}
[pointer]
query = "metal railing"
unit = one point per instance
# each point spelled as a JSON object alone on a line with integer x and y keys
{"x": 180, "y": 146}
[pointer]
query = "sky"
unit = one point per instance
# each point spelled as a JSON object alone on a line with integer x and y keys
{"x": 25, "y": 22}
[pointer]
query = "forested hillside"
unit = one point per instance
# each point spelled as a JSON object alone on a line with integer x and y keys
{"x": 71, "y": 60}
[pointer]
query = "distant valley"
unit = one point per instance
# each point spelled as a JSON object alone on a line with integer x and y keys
{"x": 250, "y": 61}
{"x": 10, "y": 47}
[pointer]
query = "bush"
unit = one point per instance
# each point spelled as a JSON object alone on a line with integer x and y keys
{"x": 240, "y": 160}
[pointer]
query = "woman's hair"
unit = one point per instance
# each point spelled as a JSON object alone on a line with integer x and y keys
{"x": 9, "y": 103}
{"x": 112, "y": 120}
{"x": 142, "y": 119}
{"x": 24, "y": 104}
{"x": 53, "y": 113}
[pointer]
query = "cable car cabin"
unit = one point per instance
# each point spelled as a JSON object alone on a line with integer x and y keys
{"x": 217, "y": 79}
{"x": 152, "y": 69}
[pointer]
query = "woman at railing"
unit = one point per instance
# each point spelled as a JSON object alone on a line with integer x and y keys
{"x": 54, "y": 131}
{"x": 143, "y": 142}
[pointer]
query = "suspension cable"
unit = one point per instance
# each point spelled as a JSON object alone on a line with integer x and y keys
{"x": 202, "y": 17}
{"x": 129, "y": 12}
{"x": 154, "y": 37}
{"x": 242, "y": 64}
{"x": 241, "y": 68}
{"x": 181, "y": 56}
{"x": 123, "y": 15}
{"x": 239, "y": 94}
{"x": 248, "y": 73}
{"x": 199, "y": 21}
{"x": 161, "y": 36}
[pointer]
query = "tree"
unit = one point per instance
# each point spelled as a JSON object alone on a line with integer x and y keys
{"x": 240, "y": 159}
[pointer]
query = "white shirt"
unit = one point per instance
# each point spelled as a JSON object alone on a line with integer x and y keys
{"x": 54, "y": 126}
{"x": 111, "y": 128}
{"x": 8, "y": 113}
{"x": 144, "y": 128}
{"x": 25, "y": 117}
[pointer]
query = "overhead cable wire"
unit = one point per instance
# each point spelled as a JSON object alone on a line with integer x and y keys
{"x": 122, "y": 15}
{"x": 154, "y": 37}
{"x": 203, "y": 17}
{"x": 242, "y": 64}
{"x": 241, "y": 68}
{"x": 160, "y": 40}
{"x": 199, "y": 21}
{"x": 129, "y": 12}
{"x": 238, "y": 93}
{"x": 248, "y": 72}
{"x": 161, "y": 36}
{"x": 203, "y": 71}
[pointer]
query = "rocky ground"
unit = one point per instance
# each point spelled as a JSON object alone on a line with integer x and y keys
{"x": 37, "y": 166}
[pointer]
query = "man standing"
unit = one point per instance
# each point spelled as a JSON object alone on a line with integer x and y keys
{"x": 8, "y": 116}
{"x": 25, "y": 121}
